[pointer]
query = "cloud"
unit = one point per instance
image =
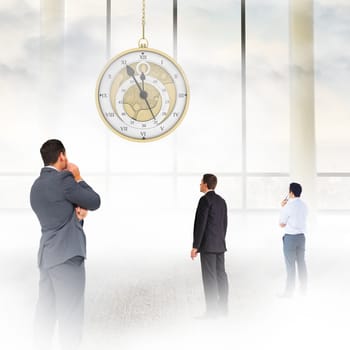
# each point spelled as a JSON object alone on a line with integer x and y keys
{"x": 18, "y": 16}
{"x": 83, "y": 39}
{"x": 332, "y": 33}
{"x": 333, "y": 21}
{"x": 17, "y": 71}
{"x": 335, "y": 3}
{"x": 19, "y": 38}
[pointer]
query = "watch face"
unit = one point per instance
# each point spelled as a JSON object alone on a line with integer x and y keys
{"x": 142, "y": 94}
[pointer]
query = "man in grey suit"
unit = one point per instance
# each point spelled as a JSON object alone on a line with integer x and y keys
{"x": 60, "y": 198}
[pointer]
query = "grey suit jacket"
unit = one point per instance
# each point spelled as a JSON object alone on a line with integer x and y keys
{"x": 53, "y": 197}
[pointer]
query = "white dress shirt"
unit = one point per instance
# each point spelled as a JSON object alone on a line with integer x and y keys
{"x": 293, "y": 215}
{"x": 50, "y": 166}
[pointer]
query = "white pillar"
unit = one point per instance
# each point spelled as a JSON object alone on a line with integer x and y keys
{"x": 52, "y": 18}
{"x": 302, "y": 121}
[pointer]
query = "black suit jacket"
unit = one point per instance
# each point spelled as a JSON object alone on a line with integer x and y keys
{"x": 210, "y": 224}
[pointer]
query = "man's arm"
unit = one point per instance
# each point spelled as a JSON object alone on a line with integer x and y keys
{"x": 284, "y": 214}
{"x": 80, "y": 193}
{"x": 200, "y": 222}
{"x": 225, "y": 217}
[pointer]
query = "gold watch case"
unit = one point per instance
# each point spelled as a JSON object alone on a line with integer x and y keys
{"x": 142, "y": 94}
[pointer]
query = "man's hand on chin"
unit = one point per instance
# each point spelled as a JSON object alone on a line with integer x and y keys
{"x": 75, "y": 171}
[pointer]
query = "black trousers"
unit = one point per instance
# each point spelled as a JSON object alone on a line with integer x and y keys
{"x": 61, "y": 300}
{"x": 215, "y": 282}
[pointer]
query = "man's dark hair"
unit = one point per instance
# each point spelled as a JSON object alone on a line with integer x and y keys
{"x": 210, "y": 180}
{"x": 50, "y": 151}
{"x": 295, "y": 188}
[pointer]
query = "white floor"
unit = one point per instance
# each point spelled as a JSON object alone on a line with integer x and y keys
{"x": 144, "y": 292}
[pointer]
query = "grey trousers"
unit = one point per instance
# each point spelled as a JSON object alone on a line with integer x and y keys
{"x": 61, "y": 300}
{"x": 215, "y": 282}
{"x": 294, "y": 254}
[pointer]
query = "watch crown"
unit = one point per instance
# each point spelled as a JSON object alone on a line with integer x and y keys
{"x": 143, "y": 43}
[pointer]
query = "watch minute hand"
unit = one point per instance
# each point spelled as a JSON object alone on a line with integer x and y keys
{"x": 131, "y": 73}
{"x": 149, "y": 107}
{"x": 143, "y": 93}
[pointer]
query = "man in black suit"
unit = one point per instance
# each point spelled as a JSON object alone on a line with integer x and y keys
{"x": 209, "y": 234}
{"x": 60, "y": 198}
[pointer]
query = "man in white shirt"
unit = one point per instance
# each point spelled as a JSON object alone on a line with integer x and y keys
{"x": 293, "y": 221}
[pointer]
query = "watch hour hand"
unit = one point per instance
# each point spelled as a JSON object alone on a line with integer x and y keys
{"x": 143, "y": 77}
{"x": 143, "y": 93}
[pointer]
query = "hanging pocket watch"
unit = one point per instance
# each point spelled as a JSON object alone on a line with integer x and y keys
{"x": 142, "y": 94}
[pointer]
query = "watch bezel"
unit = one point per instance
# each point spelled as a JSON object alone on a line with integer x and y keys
{"x": 117, "y": 57}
